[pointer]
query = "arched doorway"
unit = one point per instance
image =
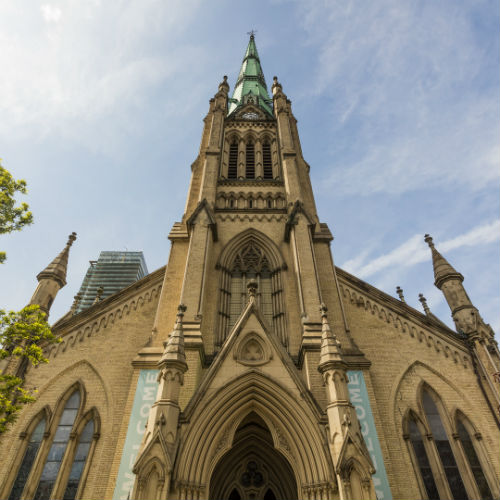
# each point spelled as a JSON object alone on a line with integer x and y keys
{"x": 253, "y": 469}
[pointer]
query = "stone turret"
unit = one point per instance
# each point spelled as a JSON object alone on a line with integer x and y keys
{"x": 345, "y": 437}
{"x": 52, "y": 278}
{"x": 468, "y": 321}
{"x": 160, "y": 439}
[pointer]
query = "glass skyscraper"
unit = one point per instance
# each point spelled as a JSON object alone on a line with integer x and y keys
{"x": 112, "y": 272}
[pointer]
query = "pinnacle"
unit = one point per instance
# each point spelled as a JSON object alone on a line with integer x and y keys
{"x": 174, "y": 347}
{"x": 442, "y": 268}
{"x": 57, "y": 269}
{"x": 330, "y": 346}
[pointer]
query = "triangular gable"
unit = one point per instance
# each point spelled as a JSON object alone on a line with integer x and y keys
{"x": 250, "y": 112}
{"x": 204, "y": 206}
{"x": 158, "y": 441}
{"x": 251, "y": 345}
{"x": 298, "y": 207}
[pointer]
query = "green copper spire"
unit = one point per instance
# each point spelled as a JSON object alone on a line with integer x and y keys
{"x": 251, "y": 84}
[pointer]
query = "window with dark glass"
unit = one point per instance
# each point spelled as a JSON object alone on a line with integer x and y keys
{"x": 232, "y": 171}
{"x": 250, "y": 263}
{"x": 474, "y": 463}
{"x": 58, "y": 448}
{"x": 267, "y": 161}
{"x": 250, "y": 161}
{"x": 28, "y": 460}
{"x": 82, "y": 451}
{"x": 444, "y": 448}
{"x": 423, "y": 461}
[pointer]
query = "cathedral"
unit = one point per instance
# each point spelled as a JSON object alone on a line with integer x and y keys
{"x": 250, "y": 366}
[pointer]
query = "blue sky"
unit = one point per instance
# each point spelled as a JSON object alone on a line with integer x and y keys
{"x": 398, "y": 108}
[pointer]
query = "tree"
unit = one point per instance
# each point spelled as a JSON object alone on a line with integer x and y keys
{"x": 22, "y": 335}
{"x": 12, "y": 217}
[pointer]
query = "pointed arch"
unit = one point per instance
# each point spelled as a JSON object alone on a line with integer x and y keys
{"x": 214, "y": 421}
{"x": 475, "y": 457}
{"x": 414, "y": 431}
{"x": 68, "y": 411}
{"x": 77, "y": 463}
{"x": 251, "y": 255}
{"x": 27, "y": 455}
{"x": 437, "y": 418}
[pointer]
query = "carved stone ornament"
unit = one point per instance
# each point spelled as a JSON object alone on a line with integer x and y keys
{"x": 253, "y": 350}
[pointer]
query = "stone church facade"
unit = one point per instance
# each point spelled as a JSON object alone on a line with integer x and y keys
{"x": 250, "y": 366}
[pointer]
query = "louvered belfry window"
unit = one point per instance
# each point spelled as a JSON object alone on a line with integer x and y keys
{"x": 250, "y": 161}
{"x": 232, "y": 171}
{"x": 267, "y": 160}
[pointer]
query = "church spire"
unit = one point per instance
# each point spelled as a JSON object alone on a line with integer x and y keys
{"x": 443, "y": 270}
{"x": 52, "y": 278}
{"x": 251, "y": 84}
{"x": 56, "y": 270}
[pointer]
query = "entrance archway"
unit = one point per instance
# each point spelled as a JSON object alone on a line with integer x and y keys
{"x": 253, "y": 468}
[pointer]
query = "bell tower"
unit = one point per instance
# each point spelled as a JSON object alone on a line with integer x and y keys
{"x": 250, "y": 218}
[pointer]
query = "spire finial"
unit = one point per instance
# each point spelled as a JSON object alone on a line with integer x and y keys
{"x": 76, "y": 302}
{"x": 224, "y": 86}
{"x": 98, "y": 296}
{"x": 181, "y": 309}
{"x": 252, "y": 34}
{"x": 323, "y": 310}
{"x": 71, "y": 239}
{"x": 252, "y": 286}
{"x": 428, "y": 240}
{"x": 423, "y": 301}
{"x": 399, "y": 291}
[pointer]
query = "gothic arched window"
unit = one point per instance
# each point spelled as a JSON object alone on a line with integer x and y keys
{"x": 58, "y": 447}
{"x": 250, "y": 263}
{"x": 422, "y": 459}
{"x": 474, "y": 463}
{"x": 81, "y": 454}
{"x": 246, "y": 262}
{"x": 232, "y": 170}
{"x": 250, "y": 160}
{"x": 58, "y": 458}
{"x": 267, "y": 161}
{"x": 28, "y": 460}
{"x": 443, "y": 446}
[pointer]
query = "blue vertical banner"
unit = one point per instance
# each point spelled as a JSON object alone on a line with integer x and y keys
{"x": 145, "y": 395}
{"x": 359, "y": 398}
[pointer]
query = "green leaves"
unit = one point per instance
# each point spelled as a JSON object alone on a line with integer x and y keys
{"x": 23, "y": 335}
{"x": 12, "y": 217}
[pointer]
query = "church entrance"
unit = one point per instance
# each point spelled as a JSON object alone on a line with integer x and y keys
{"x": 253, "y": 469}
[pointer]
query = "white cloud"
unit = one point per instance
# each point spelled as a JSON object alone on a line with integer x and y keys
{"x": 411, "y": 83}
{"x": 104, "y": 59}
{"x": 50, "y": 13}
{"x": 414, "y": 250}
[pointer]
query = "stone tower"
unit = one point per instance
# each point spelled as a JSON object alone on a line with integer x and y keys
{"x": 251, "y": 221}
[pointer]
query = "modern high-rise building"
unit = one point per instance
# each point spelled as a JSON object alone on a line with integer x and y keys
{"x": 252, "y": 367}
{"x": 111, "y": 272}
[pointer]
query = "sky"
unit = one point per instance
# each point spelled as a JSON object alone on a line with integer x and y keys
{"x": 398, "y": 112}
